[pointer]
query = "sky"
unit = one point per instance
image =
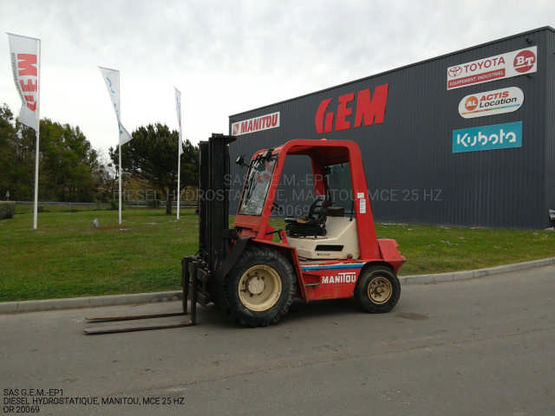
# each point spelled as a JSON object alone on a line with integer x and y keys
{"x": 227, "y": 57}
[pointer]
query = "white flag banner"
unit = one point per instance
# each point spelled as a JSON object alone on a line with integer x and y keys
{"x": 178, "y": 108}
{"x": 25, "y": 57}
{"x": 111, "y": 77}
{"x": 124, "y": 135}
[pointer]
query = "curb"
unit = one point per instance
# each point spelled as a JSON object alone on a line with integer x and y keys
{"x": 473, "y": 274}
{"x": 87, "y": 302}
{"x": 114, "y": 300}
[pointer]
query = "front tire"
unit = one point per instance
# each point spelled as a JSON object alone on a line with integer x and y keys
{"x": 260, "y": 288}
{"x": 378, "y": 290}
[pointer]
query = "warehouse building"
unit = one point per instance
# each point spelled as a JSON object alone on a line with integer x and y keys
{"x": 466, "y": 138}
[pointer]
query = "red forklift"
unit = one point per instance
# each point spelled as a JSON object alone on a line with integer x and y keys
{"x": 252, "y": 272}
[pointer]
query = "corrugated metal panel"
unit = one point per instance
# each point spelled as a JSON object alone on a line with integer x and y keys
{"x": 412, "y": 174}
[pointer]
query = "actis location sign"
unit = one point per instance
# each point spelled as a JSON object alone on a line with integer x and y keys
{"x": 506, "y": 65}
{"x": 504, "y": 100}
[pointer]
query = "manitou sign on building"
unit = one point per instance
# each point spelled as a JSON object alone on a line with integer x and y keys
{"x": 466, "y": 138}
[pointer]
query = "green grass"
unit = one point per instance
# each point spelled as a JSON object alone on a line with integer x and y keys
{"x": 436, "y": 249}
{"x": 68, "y": 257}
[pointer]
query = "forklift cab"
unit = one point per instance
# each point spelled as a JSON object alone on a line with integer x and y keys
{"x": 329, "y": 230}
{"x": 339, "y": 223}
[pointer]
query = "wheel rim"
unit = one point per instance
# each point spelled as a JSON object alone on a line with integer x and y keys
{"x": 259, "y": 287}
{"x": 380, "y": 290}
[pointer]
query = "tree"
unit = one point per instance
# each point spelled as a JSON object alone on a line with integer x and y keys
{"x": 68, "y": 165}
{"x": 7, "y": 153}
{"x": 152, "y": 156}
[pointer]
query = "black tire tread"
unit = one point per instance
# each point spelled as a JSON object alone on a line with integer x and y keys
{"x": 361, "y": 296}
{"x": 260, "y": 255}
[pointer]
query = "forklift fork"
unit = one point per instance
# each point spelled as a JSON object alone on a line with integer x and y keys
{"x": 189, "y": 281}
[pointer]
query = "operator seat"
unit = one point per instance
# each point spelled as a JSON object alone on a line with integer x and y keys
{"x": 314, "y": 224}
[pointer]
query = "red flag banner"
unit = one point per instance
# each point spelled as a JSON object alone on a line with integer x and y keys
{"x": 25, "y": 58}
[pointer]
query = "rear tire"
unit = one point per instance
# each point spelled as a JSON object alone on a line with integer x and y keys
{"x": 260, "y": 288}
{"x": 378, "y": 290}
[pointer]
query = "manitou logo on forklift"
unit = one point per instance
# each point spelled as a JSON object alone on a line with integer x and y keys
{"x": 331, "y": 253}
{"x": 344, "y": 277}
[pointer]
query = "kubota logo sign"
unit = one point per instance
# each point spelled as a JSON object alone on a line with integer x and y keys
{"x": 345, "y": 112}
{"x": 504, "y": 100}
{"x": 506, "y": 65}
{"x": 497, "y": 136}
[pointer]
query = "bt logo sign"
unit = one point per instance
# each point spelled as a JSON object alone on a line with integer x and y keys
{"x": 524, "y": 61}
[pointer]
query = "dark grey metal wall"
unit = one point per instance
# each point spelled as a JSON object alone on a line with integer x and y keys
{"x": 413, "y": 176}
{"x": 550, "y": 120}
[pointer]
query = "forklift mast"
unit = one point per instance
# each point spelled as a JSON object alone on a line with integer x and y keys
{"x": 214, "y": 184}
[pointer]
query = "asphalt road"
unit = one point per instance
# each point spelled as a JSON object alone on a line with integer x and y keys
{"x": 481, "y": 347}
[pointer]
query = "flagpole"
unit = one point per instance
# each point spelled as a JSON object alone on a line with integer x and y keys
{"x": 120, "y": 175}
{"x": 179, "y": 147}
{"x": 178, "y": 174}
{"x": 36, "y": 199}
{"x": 37, "y": 154}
